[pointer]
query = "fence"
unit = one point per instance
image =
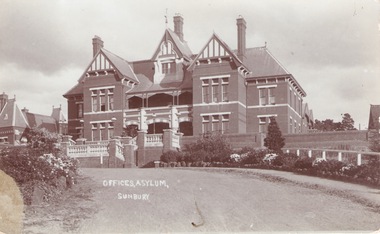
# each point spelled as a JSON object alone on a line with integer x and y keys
{"x": 347, "y": 156}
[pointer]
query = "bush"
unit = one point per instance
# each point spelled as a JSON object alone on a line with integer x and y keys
{"x": 171, "y": 156}
{"x": 41, "y": 163}
{"x": 303, "y": 163}
{"x": 208, "y": 148}
{"x": 254, "y": 157}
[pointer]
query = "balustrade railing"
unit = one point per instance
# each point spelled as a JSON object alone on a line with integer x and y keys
{"x": 347, "y": 156}
{"x": 87, "y": 150}
{"x": 153, "y": 140}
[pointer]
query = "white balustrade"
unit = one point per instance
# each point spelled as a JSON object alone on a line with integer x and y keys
{"x": 153, "y": 140}
{"x": 87, "y": 150}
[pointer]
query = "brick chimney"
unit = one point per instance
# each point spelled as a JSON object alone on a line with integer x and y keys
{"x": 241, "y": 27}
{"x": 3, "y": 100}
{"x": 178, "y": 26}
{"x": 97, "y": 44}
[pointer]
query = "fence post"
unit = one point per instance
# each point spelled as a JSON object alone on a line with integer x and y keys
{"x": 309, "y": 153}
{"x": 324, "y": 155}
{"x": 298, "y": 152}
{"x": 287, "y": 151}
{"x": 339, "y": 156}
{"x": 359, "y": 159}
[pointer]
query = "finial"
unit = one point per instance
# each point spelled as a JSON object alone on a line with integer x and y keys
{"x": 166, "y": 18}
{"x": 265, "y": 44}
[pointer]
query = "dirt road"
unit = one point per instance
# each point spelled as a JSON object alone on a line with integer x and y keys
{"x": 178, "y": 200}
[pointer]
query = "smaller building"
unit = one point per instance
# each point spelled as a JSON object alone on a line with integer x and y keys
{"x": 14, "y": 122}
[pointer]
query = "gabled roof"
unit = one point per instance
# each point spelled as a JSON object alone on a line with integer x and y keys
{"x": 122, "y": 67}
{"x": 374, "y": 115}
{"x": 11, "y": 116}
{"x": 262, "y": 63}
{"x": 225, "y": 47}
{"x": 41, "y": 121}
{"x": 182, "y": 47}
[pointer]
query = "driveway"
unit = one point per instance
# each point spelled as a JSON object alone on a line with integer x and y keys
{"x": 226, "y": 200}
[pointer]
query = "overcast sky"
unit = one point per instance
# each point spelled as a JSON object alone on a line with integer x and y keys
{"x": 330, "y": 47}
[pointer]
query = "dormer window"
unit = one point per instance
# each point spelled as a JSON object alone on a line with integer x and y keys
{"x": 168, "y": 68}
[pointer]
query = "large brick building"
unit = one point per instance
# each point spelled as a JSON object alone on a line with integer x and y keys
{"x": 217, "y": 89}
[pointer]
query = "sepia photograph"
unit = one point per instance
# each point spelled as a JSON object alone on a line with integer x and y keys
{"x": 174, "y": 116}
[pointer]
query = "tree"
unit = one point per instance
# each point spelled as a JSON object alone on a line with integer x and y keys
{"x": 274, "y": 140}
{"x": 327, "y": 125}
{"x": 347, "y": 122}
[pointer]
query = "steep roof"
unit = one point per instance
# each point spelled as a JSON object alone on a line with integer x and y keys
{"x": 58, "y": 115}
{"x": 262, "y": 63}
{"x": 11, "y": 116}
{"x": 182, "y": 46}
{"x": 374, "y": 115}
{"x": 121, "y": 65}
{"x": 41, "y": 121}
{"x": 227, "y": 51}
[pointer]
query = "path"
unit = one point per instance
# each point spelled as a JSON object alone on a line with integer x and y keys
{"x": 228, "y": 201}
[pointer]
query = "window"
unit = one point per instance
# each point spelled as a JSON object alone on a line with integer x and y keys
{"x": 205, "y": 92}
{"x": 215, "y": 90}
{"x": 102, "y": 103}
{"x": 110, "y": 101}
{"x": 262, "y": 124}
{"x": 295, "y": 126}
{"x": 263, "y": 97}
{"x": 225, "y": 89}
{"x": 165, "y": 68}
{"x": 225, "y": 123}
{"x": 94, "y": 128}
{"x": 101, "y": 131}
{"x": 80, "y": 110}
{"x": 272, "y": 99}
{"x": 94, "y": 103}
{"x": 215, "y": 123}
{"x": 110, "y": 130}
{"x": 205, "y": 124}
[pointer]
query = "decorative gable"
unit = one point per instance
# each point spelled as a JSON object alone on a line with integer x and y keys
{"x": 217, "y": 51}
{"x": 100, "y": 62}
{"x": 169, "y": 58}
{"x": 213, "y": 49}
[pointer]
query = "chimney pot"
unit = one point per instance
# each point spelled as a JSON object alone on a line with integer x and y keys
{"x": 97, "y": 44}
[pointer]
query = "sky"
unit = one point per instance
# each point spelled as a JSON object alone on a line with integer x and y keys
{"x": 332, "y": 47}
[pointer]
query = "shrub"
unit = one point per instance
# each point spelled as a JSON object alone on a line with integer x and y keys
{"x": 289, "y": 160}
{"x": 40, "y": 163}
{"x": 171, "y": 156}
{"x": 209, "y": 148}
{"x": 274, "y": 140}
{"x": 304, "y": 163}
{"x": 254, "y": 157}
